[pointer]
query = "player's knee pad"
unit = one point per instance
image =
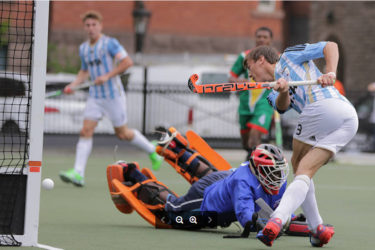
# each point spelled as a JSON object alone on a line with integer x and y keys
{"x": 144, "y": 196}
{"x": 115, "y": 172}
{"x": 187, "y": 162}
{"x": 171, "y": 144}
{"x": 149, "y": 192}
{"x": 194, "y": 167}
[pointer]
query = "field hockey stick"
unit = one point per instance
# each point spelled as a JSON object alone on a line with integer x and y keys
{"x": 278, "y": 130}
{"x": 263, "y": 214}
{"x": 228, "y": 87}
{"x": 61, "y": 91}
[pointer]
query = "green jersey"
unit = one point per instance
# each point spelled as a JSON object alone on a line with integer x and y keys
{"x": 248, "y": 99}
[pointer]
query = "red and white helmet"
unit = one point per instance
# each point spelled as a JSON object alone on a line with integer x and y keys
{"x": 270, "y": 167}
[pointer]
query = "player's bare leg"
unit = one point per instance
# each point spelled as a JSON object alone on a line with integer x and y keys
{"x": 310, "y": 161}
{"x": 317, "y": 158}
{"x": 245, "y": 140}
{"x": 254, "y": 138}
{"x": 137, "y": 139}
{"x": 83, "y": 150}
{"x": 250, "y": 139}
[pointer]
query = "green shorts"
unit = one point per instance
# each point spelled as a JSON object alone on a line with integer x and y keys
{"x": 260, "y": 119}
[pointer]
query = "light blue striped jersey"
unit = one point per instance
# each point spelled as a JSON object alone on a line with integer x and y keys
{"x": 98, "y": 59}
{"x": 296, "y": 64}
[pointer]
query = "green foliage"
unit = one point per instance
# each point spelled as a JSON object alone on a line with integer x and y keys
{"x": 60, "y": 60}
{"x": 4, "y": 28}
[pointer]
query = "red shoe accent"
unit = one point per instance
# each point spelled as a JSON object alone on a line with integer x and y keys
{"x": 270, "y": 231}
{"x": 322, "y": 236}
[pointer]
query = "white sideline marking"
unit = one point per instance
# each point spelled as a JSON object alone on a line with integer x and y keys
{"x": 48, "y": 247}
{"x": 362, "y": 188}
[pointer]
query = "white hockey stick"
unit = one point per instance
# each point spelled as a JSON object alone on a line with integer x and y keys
{"x": 265, "y": 210}
{"x": 61, "y": 91}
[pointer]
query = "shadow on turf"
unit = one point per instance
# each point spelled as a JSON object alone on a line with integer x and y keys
{"x": 219, "y": 230}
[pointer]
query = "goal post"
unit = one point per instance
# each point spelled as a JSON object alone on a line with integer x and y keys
{"x": 38, "y": 80}
{"x": 24, "y": 26}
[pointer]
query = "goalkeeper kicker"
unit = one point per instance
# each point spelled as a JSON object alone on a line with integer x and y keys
{"x": 218, "y": 195}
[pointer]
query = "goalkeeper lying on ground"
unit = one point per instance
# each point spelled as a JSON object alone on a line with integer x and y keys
{"x": 216, "y": 198}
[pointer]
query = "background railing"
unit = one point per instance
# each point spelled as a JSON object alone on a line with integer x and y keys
{"x": 157, "y": 105}
{"x": 153, "y": 104}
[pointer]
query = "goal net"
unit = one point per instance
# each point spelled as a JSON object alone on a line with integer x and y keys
{"x": 23, "y": 49}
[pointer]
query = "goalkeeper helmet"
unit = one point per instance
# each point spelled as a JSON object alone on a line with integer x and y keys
{"x": 269, "y": 165}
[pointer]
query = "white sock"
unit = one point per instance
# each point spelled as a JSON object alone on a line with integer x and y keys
{"x": 83, "y": 152}
{"x": 293, "y": 197}
{"x": 141, "y": 142}
{"x": 310, "y": 209}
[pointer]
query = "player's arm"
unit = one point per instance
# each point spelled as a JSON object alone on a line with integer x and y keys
{"x": 117, "y": 52}
{"x": 243, "y": 202}
{"x": 123, "y": 65}
{"x": 306, "y": 52}
{"x": 331, "y": 56}
{"x": 282, "y": 100}
{"x": 82, "y": 76}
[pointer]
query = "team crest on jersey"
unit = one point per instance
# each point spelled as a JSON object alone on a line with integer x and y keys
{"x": 285, "y": 73}
{"x": 96, "y": 62}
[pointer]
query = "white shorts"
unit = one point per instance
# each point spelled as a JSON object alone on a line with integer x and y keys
{"x": 114, "y": 109}
{"x": 329, "y": 124}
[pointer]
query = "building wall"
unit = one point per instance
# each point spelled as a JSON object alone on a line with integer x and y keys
{"x": 296, "y": 22}
{"x": 352, "y": 25}
{"x": 175, "y": 27}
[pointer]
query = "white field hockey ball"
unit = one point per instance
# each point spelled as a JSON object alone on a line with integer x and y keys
{"x": 48, "y": 184}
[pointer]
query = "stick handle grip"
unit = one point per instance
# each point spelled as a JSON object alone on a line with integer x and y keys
{"x": 297, "y": 83}
{"x": 84, "y": 85}
{"x": 60, "y": 92}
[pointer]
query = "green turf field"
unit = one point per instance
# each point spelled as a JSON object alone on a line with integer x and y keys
{"x": 85, "y": 218}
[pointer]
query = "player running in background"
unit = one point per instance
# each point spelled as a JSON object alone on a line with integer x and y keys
{"x": 255, "y": 115}
{"x": 327, "y": 122}
{"x": 99, "y": 55}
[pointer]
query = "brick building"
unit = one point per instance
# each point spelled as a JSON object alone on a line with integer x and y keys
{"x": 352, "y": 26}
{"x": 175, "y": 27}
{"x": 228, "y": 27}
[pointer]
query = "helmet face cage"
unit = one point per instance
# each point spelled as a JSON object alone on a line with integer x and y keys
{"x": 270, "y": 167}
{"x": 273, "y": 176}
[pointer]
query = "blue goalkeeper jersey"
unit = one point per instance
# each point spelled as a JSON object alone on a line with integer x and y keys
{"x": 98, "y": 59}
{"x": 296, "y": 64}
{"x": 237, "y": 194}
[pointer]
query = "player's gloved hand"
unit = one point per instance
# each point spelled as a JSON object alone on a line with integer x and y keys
{"x": 68, "y": 90}
{"x": 299, "y": 217}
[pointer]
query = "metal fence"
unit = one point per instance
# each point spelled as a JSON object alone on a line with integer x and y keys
{"x": 150, "y": 106}
{"x": 214, "y": 117}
